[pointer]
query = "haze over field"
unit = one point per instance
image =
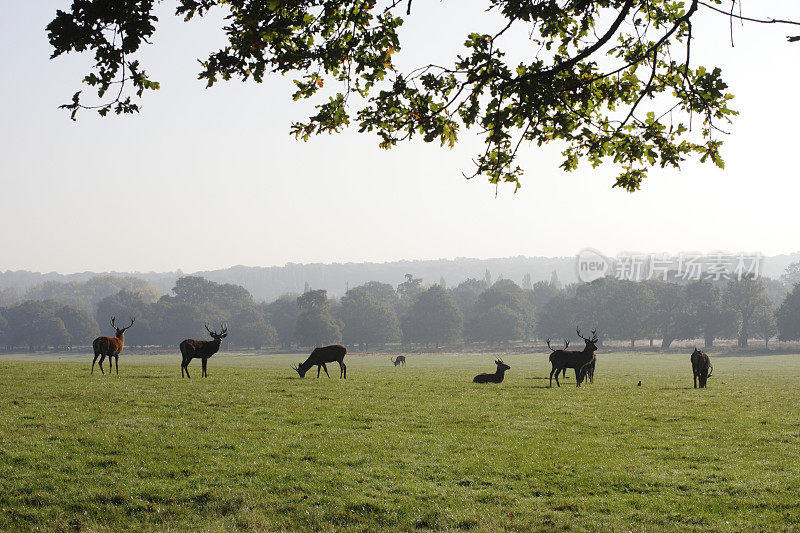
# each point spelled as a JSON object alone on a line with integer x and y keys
{"x": 206, "y": 179}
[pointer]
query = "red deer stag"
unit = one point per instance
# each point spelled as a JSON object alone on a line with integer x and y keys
{"x": 399, "y": 360}
{"x": 497, "y": 377}
{"x": 579, "y": 360}
{"x": 320, "y": 356}
{"x": 110, "y": 346}
{"x": 194, "y": 349}
{"x": 701, "y": 367}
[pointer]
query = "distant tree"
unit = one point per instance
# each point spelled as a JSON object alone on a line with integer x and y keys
{"x": 382, "y": 292}
{"x": 542, "y": 292}
{"x": 123, "y": 305}
{"x": 81, "y": 326}
{"x": 29, "y": 324}
{"x": 497, "y": 324}
{"x": 86, "y": 294}
{"x": 315, "y": 325}
{"x": 712, "y": 318}
{"x": 367, "y": 321}
{"x": 3, "y": 327}
{"x": 671, "y": 318}
{"x": 775, "y": 290}
{"x": 506, "y": 293}
{"x": 466, "y": 296}
{"x": 487, "y": 278}
{"x": 434, "y": 318}
{"x": 53, "y": 332}
{"x": 9, "y": 296}
{"x": 792, "y": 274}
{"x": 176, "y": 321}
{"x": 526, "y": 282}
{"x": 744, "y": 296}
{"x": 558, "y": 317}
{"x": 408, "y": 292}
{"x": 249, "y": 328}
{"x": 554, "y": 281}
{"x": 631, "y": 306}
{"x": 764, "y": 324}
{"x": 282, "y": 314}
{"x": 789, "y": 316}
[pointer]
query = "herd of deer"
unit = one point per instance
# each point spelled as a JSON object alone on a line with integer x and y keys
{"x": 582, "y": 361}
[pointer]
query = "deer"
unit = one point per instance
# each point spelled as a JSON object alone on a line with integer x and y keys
{"x": 579, "y": 360}
{"x": 110, "y": 346}
{"x": 399, "y": 360}
{"x": 321, "y": 355}
{"x": 498, "y": 375}
{"x": 701, "y": 367}
{"x": 194, "y": 349}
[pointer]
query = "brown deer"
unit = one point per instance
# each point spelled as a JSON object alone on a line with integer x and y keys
{"x": 498, "y": 375}
{"x": 579, "y": 360}
{"x": 110, "y": 346}
{"x": 194, "y": 349}
{"x": 701, "y": 367}
{"x": 320, "y": 356}
{"x": 399, "y": 360}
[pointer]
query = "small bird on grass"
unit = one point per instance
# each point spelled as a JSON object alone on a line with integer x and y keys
{"x": 639, "y": 384}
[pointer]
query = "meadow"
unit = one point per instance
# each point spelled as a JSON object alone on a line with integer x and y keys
{"x": 255, "y": 447}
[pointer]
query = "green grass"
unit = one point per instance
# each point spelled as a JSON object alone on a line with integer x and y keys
{"x": 255, "y": 447}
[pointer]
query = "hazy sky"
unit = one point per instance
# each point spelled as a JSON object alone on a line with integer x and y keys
{"x": 206, "y": 179}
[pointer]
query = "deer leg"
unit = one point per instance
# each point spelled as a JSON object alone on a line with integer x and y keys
{"x": 342, "y": 370}
{"x": 182, "y": 364}
{"x": 205, "y": 372}
{"x": 186, "y": 366}
{"x": 551, "y": 376}
{"x": 694, "y": 375}
{"x": 102, "y": 358}
{"x": 116, "y": 364}
{"x": 325, "y": 368}
{"x": 93, "y": 361}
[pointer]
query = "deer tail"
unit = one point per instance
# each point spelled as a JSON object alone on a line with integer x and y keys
{"x": 710, "y": 370}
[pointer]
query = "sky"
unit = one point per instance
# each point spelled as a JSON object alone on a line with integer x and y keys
{"x": 210, "y": 178}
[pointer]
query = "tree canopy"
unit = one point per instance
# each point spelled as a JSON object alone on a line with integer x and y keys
{"x": 612, "y": 81}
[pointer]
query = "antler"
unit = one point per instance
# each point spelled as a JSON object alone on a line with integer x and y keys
{"x": 133, "y": 319}
{"x": 224, "y": 329}
{"x": 113, "y": 322}
{"x": 208, "y": 330}
{"x": 566, "y": 344}
{"x": 594, "y": 335}
{"x": 579, "y": 334}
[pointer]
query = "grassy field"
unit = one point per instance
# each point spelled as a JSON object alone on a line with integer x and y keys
{"x": 255, "y": 447}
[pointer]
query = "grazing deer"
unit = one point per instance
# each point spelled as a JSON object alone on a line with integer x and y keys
{"x": 497, "y": 377}
{"x": 194, "y": 349}
{"x": 399, "y": 360}
{"x": 701, "y": 367}
{"x": 581, "y": 361}
{"x": 110, "y": 346}
{"x": 320, "y": 356}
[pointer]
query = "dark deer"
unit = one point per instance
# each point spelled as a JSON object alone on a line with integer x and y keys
{"x": 110, "y": 346}
{"x": 194, "y": 349}
{"x": 497, "y": 377}
{"x": 399, "y": 360}
{"x": 320, "y": 356}
{"x": 579, "y": 360}
{"x": 701, "y": 367}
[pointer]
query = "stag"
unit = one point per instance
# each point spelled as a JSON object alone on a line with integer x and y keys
{"x": 498, "y": 375}
{"x": 399, "y": 360}
{"x": 110, "y": 346}
{"x": 701, "y": 367}
{"x": 581, "y": 361}
{"x": 194, "y": 349}
{"x": 320, "y": 356}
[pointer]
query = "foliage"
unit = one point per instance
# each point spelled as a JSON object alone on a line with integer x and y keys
{"x": 315, "y": 326}
{"x": 708, "y": 312}
{"x": 765, "y": 326}
{"x": 282, "y": 314}
{"x": 86, "y": 294}
{"x": 367, "y": 320}
{"x": 788, "y": 316}
{"x": 497, "y": 324}
{"x": 744, "y": 296}
{"x": 433, "y": 318}
{"x": 612, "y": 80}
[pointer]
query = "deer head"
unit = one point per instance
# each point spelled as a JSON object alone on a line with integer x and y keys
{"x": 300, "y": 370}
{"x": 501, "y": 366}
{"x": 591, "y": 343}
{"x": 120, "y": 331}
{"x": 218, "y": 336}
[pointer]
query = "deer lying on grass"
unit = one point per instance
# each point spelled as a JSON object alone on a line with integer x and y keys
{"x": 399, "y": 360}
{"x": 320, "y": 356}
{"x": 194, "y": 349}
{"x": 701, "y": 367}
{"x": 497, "y": 377}
{"x": 579, "y": 360}
{"x": 110, "y": 346}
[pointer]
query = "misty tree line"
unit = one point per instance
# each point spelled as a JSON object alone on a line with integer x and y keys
{"x": 376, "y": 314}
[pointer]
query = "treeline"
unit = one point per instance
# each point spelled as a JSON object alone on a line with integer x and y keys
{"x": 376, "y": 314}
